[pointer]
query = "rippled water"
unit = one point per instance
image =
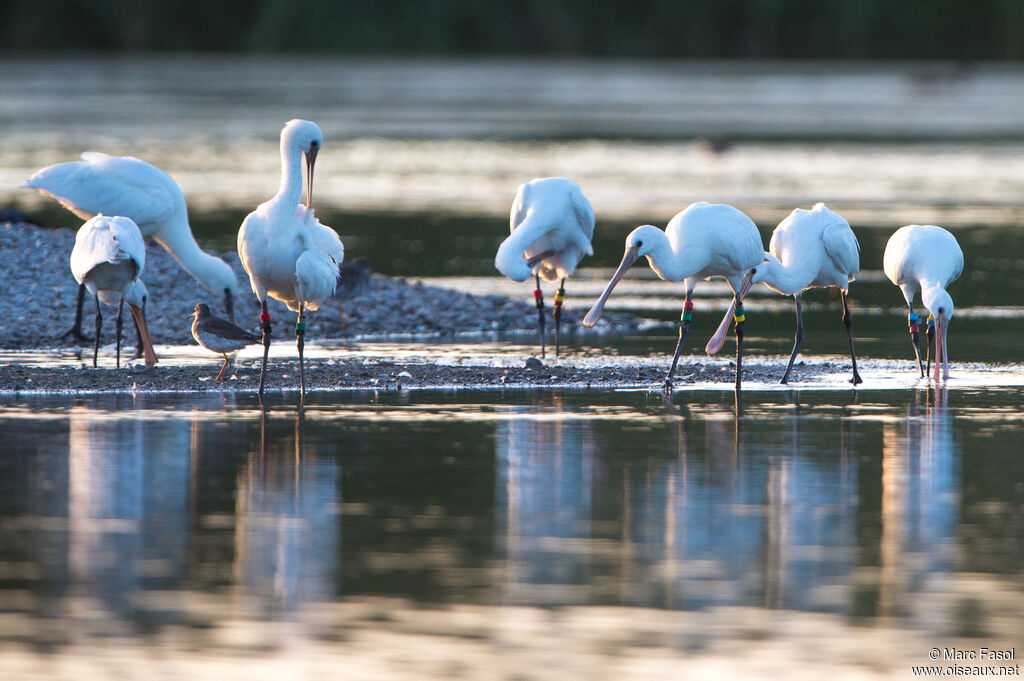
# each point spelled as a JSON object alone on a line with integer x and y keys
{"x": 438, "y": 535}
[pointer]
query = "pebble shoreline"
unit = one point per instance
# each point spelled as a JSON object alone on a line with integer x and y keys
{"x": 383, "y": 374}
{"x": 39, "y": 295}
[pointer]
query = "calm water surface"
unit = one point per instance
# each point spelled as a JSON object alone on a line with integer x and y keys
{"x": 470, "y": 525}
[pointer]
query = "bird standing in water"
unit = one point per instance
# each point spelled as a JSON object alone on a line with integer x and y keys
{"x": 926, "y": 259}
{"x": 552, "y": 226}
{"x": 811, "y": 248}
{"x": 285, "y": 250}
{"x": 219, "y": 335}
{"x": 107, "y": 260}
{"x": 704, "y": 240}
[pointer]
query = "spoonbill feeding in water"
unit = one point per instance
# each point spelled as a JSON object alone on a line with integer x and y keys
{"x": 285, "y": 250}
{"x": 704, "y": 240}
{"x": 219, "y": 335}
{"x": 126, "y": 186}
{"x": 811, "y": 248}
{"x": 552, "y": 227}
{"x": 107, "y": 259}
{"x": 926, "y": 259}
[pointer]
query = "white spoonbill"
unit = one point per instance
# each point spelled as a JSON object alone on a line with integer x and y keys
{"x": 108, "y": 259}
{"x": 925, "y": 259}
{"x": 809, "y": 249}
{"x": 288, "y": 254}
{"x": 552, "y": 227}
{"x": 126, "y": 186}
{"x": 704, "y": 240}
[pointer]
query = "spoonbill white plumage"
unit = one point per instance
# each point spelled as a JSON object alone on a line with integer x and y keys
{"x": 925, "y": 259}
{"x": 285, "y": 250}
{"x": 219, "y": 335}
{"x": 704, "y": 240}
{"x": 126, "y": 186}
{"x": 107, "y": 259}
{"x": 809, "y": 249}
{"x": 552, "y": 226}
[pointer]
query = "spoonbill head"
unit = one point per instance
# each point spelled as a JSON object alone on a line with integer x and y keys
{"x": 552, "y": 227}
{"x": 702, "y": 241}
{"x": 926, "y": 259}
{"x": 128, "y": 187}
{"x": 107, "y": 259}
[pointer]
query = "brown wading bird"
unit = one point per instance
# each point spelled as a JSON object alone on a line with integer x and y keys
{"x": 219, "y": 335}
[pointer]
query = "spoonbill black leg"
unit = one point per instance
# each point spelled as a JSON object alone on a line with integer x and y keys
{"x": 300, "y": 342}
{"x": 684, "y": 329}
{"x": 265, "y": 322}
{"x": 739, "y": 318}
{"x": 915, "y": 337}
{"x": 99, "y": 324}
{"x": 559, "y": 298}
{"x": 848, "y": 322}
{"x": 75, "y": 332}
{"x": 119, "y": 325}
{"x": 798, "y": 339}
{"x": 538, "y": 297}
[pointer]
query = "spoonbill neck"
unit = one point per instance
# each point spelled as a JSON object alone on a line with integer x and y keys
{"x": 782, "y": 279}
{"x": 212, "y": 272}
{"x": 290, "y": 191}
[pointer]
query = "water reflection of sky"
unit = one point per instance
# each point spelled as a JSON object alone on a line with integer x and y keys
{"x": 127, "y": 520}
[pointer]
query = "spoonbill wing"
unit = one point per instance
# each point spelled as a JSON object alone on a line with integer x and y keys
{"x": 112, "y": 185}
{"x": 842, "y": 247}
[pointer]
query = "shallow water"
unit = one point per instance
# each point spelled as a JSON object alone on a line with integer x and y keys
{"x": 204, "y": 529}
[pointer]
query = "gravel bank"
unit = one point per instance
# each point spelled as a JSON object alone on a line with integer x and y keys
{"x": 385, "y": 374}
{"x": 39, "y": 293}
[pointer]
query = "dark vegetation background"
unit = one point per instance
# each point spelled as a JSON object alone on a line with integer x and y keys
{"x": 815, "y": 29}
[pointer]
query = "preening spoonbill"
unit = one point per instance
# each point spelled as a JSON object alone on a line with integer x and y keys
{"x": 809, "y": 249}
{"x": 219, "y": 335}
{"x": 126, "y": 186}
{"x": 704, "y": 240}
{"x": 288, "y": 254}
{"x": 925, "y": 259}
{"x": 552, "y": 227}
{"x": 108, "y": 259}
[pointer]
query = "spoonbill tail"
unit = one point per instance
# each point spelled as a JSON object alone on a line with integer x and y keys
{"x": 925, "y": 259}
{"x": 107, "y": 259}
{"x": 811, "y": 248}
{"x": 287, "y": 253}
{"x": 126, "y": 186}
{"x": 219, "y": 335}
{"x": 552, "y": 227}
{"x": 704, "y": 240}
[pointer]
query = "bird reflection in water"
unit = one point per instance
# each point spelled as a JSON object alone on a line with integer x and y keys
{"x": 127, "y": 518}
{"x": 918, "y": 500}
{"x": 545, "y": 477}
{"x": 287, "y": 534}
